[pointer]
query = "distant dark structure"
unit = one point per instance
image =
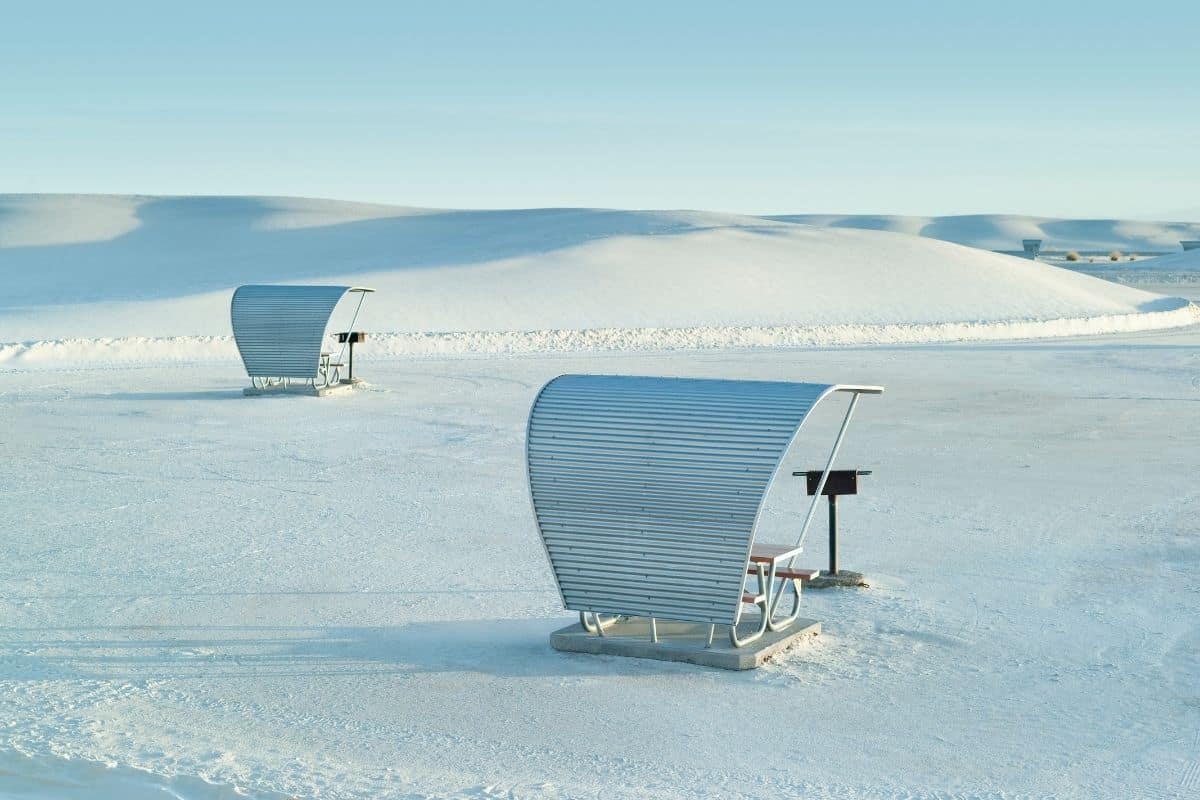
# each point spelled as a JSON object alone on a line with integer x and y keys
{"x": 1191, "y": 245}
{"x": 1032, "y": 247}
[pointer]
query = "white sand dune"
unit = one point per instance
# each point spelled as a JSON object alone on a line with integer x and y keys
{"x": 1005, "y": 231}
{"x": 46, "y": 220}
{"x": 501, "y": 281}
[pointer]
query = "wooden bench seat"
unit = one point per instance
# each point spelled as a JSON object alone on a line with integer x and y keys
{"x": 785, "y": 573}
{"x": 795, "y": 574}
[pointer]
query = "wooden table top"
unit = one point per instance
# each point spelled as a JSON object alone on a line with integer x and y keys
{"x": 766, "y": 553}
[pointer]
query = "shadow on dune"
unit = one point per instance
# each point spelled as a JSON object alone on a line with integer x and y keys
{"x": 189, "y": 245}
{"x": 989, "y": 229}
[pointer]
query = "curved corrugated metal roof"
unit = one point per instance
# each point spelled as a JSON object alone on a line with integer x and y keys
{"x": 279, "y": 330}
{"x": 647, "y": 490}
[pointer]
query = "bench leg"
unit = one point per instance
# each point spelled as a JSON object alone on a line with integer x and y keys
{"x": 774, "y": 624}
{"x": 758, "y": 634}
{"x": 762, "y": 599}
{"x": 600, "y": 624}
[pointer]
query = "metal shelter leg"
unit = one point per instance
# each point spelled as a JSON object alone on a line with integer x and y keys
{"x": 761, "y": 600}
{"x": 781, "y": 624}
{"x": 598, "y": 627}
{"x": 837, "y": 445}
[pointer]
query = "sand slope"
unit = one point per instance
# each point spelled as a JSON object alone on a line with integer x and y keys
{"x": 125, "y": 268}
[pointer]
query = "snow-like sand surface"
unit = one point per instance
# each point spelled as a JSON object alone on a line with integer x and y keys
{"x": 346, "y": 597}
{"x": 206, "y": 596}
{"x": 516, "y": 281}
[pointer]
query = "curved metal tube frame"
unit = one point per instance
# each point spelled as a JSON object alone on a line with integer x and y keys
{"x": 760, "y": 600}
{"x": 598, "y": 626}
{"x": 328, "y": 374}
{"x": 769, "y": 621}
{"x": 328, "y": 371}
{"x": 774, "y": 624}
{"x": 837, "y": 445}
{"x": 260, "y": 382}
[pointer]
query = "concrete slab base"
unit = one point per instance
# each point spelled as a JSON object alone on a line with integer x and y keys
{"x": 303, "y": 389}
{"x": 683, "y": 641}
{"x": 844, "y": 578}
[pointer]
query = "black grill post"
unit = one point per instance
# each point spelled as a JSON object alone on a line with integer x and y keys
{"x": 839, "y": 482}
{"x": 833, "y": 534}
{"x": 351, "y": 338}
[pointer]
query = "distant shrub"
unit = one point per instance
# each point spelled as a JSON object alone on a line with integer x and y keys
{"x": 1072, "y": 256}
{"x": 1091, "y": 260}
{"x": 1133, "y": 258}
{"x": 1115, "y": 255}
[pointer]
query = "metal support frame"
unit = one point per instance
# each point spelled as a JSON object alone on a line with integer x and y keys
{"x": 598, "y": 626}
{"x": 774, "y": 624}
{"x": 837, "y": 445}
{"x": 775, "y": 595}
{"x": 327, "y": 371}
{"x": 762, "y": 600}
{"x": 327, "y": 375}
{"x": 767, "y": 600}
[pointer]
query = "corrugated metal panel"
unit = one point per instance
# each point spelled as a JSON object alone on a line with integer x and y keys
{"x": 279, "y": 329}
{"x": 647, "y": 490}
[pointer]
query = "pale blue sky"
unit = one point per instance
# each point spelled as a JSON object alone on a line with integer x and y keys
{"x": 1071, "y": 109}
